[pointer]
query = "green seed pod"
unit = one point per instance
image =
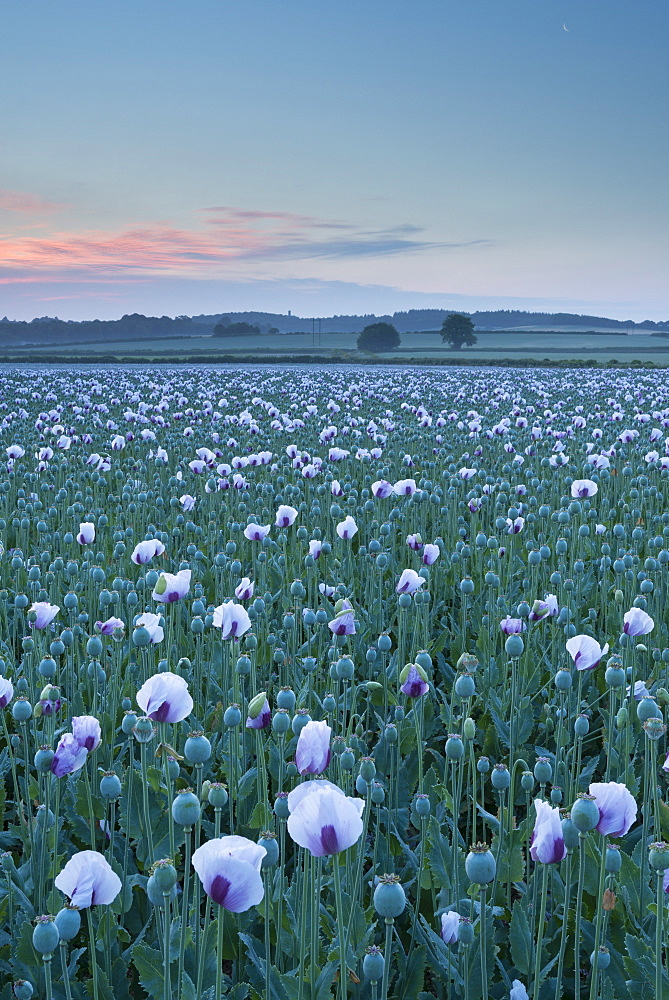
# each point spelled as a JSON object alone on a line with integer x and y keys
{"x": 164, "y": 875}
{"x": 584, "y": 813}
{"x": 658, "y": 856}
{"x": 45, "y": 935}
{"x": 613, "y": 859}
{"x": 68, "y": 922}
{"x": 389, "y": 897}
{"x": 465, "y": 931}
{"x": 480, "y": 864}
{"x": 186, "y": 808}
{"x": 373, "y": 964}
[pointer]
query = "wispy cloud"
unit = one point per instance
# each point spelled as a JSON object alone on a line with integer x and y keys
{"x": 25, "y": 203}
{"x": 228, "y": 236}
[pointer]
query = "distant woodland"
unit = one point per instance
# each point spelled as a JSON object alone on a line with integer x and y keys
{"x": 51, "y": 330}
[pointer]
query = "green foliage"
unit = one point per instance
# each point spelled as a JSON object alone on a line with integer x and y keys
{"x": 379, "y": 337}
{"x": 457, "y": 331}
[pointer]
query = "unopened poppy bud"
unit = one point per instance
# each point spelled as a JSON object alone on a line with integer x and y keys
{"x": 622, "y": 717}
{"x": 257, "y": 704}
{"x": 618, "y": 597}
{"x": 662, "y": 696}
{"x": 469, "y": 729}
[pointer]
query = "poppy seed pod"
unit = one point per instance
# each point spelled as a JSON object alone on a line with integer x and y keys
{"x": 68, "y": 923}
{"x": 584, "y": 813}
{"x": 480, "y": 864}
{"x": 389, "y": 897}
{"x": 217, "y": 796}
{"x": 197, "y": 748}
{"x": 45, "y": 935}
{"x": 373, "y": 964}
{"x": 186, "y": 808}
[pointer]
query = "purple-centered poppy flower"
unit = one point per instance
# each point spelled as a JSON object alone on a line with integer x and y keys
{"x": 547, "y": 842}
{"x": 409, "y": 582}
{"x": 187, "y": 502}
{"x": 315, "y": 548}
{"x": 260, "y": 714}
{"x": 244, "y": 589}
{"x": 88, "y": 880}
{"x": 347, "y": 528}
{"x": 86, "y": 731}
{"x": 637, "y": 622}
{"x": 539, "y": 611}
{"x": 229, "y": 870}
{"x": 313, "y": 752}
{"x": 640, "y": 690}
{"x": 172, "y": 587}
{"x": 323, "y": 819}
{"x": 617, "y": 808}
{"x": 450, "y": 924}
{"x": 110, "y": 626}
{"x": 6, "y": 691}
{"x": 344, "y": 621}
{"x": 152, "y": 625}
{"x": 582, "y": 488}
{"x": 518, "y": 991}
{"x": 381, "y": 489}
{"x": 256, "y": 532}
{"x": 285, "y": 516}
{"x": 45, "y": 613}
{"x": 513, "y": 527}
{"x": 585, "y": 651}
{"x": 405, "y": 488}
{"x": 232, "y": 619}
{"x": 430, "y": 553}
{"x": 325, "y": 589}
{"x": 165, "y": 698}
{"x": 415, "y": 542}
{"x": 512, "y": 626}
{"x": 86, "y": 534}
{"x": 413, "y": 682}
{"x": 69, "y": 756}
{"x": 146, "y": 550}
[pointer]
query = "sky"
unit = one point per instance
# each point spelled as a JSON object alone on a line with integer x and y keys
{"x": 333, "y": 156}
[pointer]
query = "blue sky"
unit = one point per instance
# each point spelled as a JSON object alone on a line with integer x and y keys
{"x": 333, "y": 157}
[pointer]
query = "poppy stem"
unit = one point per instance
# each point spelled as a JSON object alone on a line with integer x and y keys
{"x": 343, "y": 971}
{"x": 92, "y": 959}
{"x": 540, "y": 934}
{"x": 219, "y": 953}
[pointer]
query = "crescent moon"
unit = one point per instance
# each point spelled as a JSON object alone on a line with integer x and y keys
{"x": 565, "y": 27}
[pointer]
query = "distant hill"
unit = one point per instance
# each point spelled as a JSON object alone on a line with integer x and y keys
{"x": 135, "y": 326}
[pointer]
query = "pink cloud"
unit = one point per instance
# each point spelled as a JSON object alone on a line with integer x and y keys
{"x": 25, "y": 203}
{"x": 230, "y": 237}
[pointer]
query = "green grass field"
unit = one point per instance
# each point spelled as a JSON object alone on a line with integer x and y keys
{"x": 539, "y": 346}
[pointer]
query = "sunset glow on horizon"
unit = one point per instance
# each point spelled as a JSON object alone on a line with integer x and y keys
{"x": 358, "y": 158}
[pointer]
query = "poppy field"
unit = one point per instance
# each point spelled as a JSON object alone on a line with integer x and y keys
{"x": 339, "y": 684}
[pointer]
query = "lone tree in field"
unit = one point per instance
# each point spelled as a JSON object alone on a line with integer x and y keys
{"x": 378, "y": 337}
{"x": 456, "y": 330}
